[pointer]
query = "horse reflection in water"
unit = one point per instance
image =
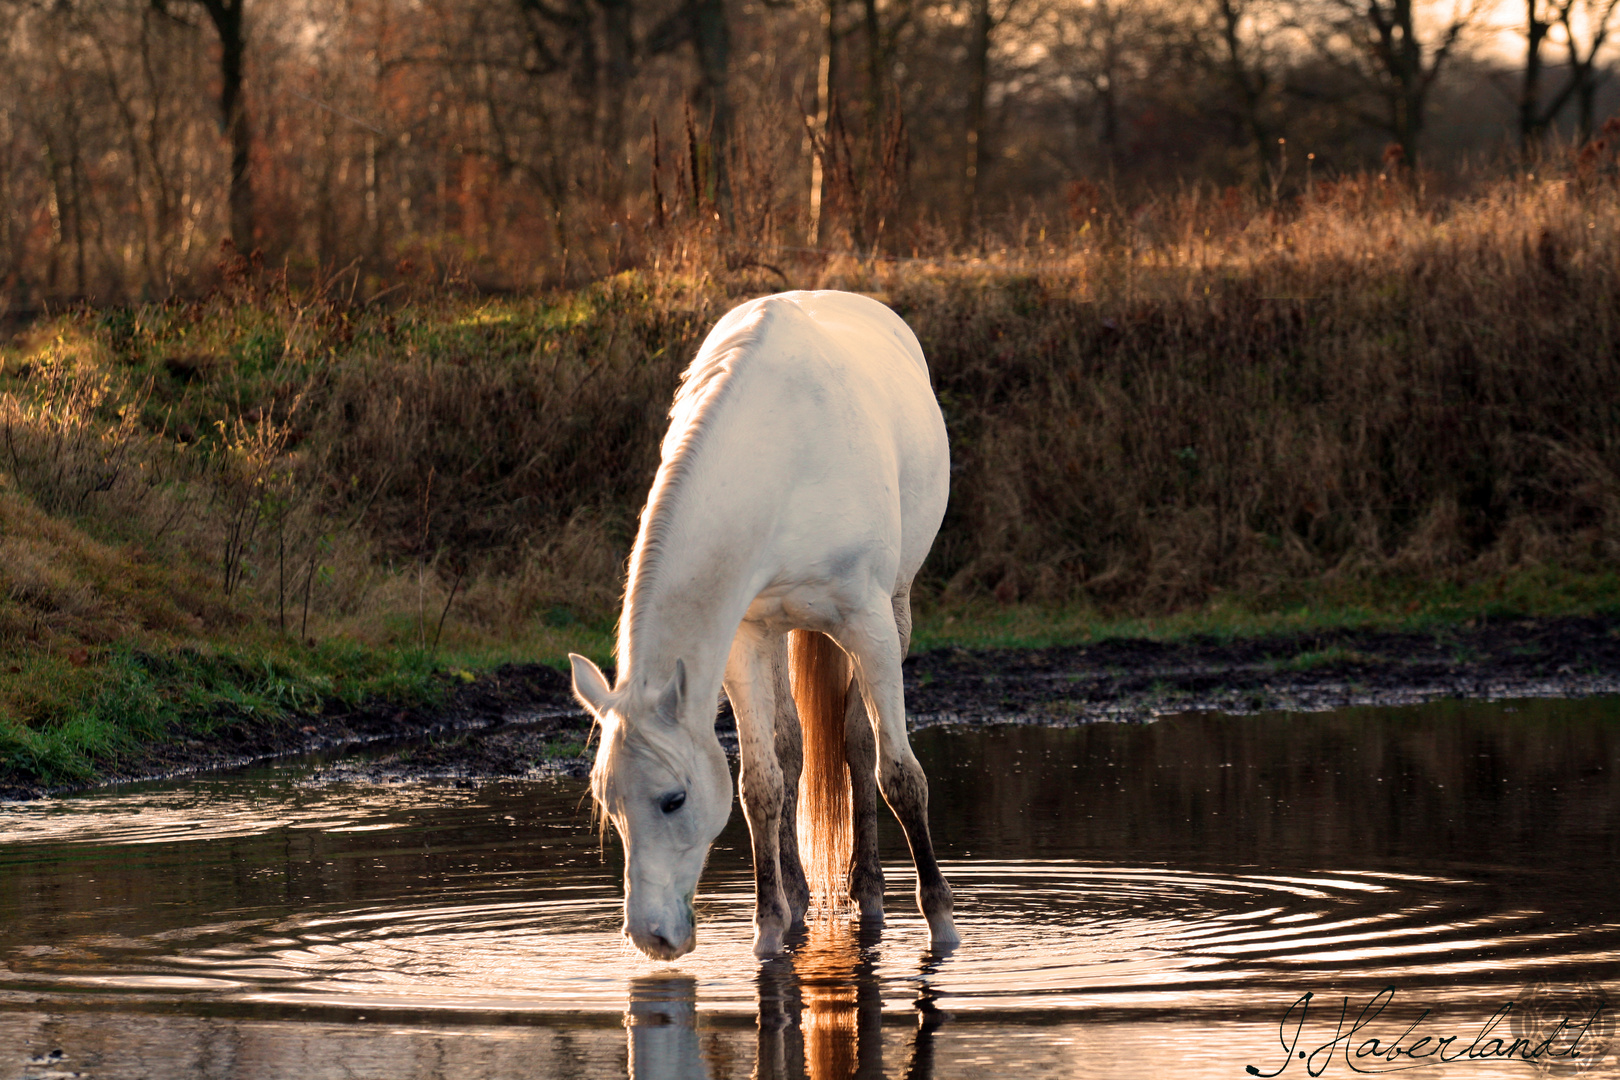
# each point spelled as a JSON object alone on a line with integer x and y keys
{"x": 820, "y": 1017}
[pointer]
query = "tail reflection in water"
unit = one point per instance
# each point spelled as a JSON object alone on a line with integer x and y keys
{"x": 820, "y": 1016}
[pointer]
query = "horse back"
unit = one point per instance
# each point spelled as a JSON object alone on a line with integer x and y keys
{"x": 826, "y": 431}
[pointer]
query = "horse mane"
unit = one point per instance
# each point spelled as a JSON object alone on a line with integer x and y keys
{"x": 705, "y": 385}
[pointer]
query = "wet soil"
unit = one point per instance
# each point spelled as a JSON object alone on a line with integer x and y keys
{"x": 1137, "y": 680}
{"x": 521, "y": 720}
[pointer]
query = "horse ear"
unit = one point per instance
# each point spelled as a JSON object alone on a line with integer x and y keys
{"x": 590, "y": 685}
{"x": 669, "y": 702}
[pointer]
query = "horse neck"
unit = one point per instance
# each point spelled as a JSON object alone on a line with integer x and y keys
{"x": 687, "y": 592}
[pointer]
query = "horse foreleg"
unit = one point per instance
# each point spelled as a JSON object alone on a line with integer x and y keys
{"x": 790, "y": 758}
{"x": 873, "y": 639}
{"x": 751, "y": 687}
{"x": 860, "y": 750}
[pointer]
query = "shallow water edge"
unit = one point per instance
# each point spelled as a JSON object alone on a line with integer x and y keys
{"x": 1132, "y": 898}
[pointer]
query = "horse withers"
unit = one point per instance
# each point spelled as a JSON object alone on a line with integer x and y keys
{"x": 804, "y": 475}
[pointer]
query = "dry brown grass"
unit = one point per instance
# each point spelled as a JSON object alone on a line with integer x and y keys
{"x": 1368, "y": 385}
{"x": 1201, "y": 397}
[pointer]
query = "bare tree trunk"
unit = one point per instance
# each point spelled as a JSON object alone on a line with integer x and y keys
{"x": 980, "y": 29}
{"x": 64, "y": 164}
{"x": 226, "y": 15}
{"x": 826, "y": 72}
{"x": 12, "y": 257}
{"x": 1406, "y": 67}
{"x": 1249, "y": 86}
{"x": 1106, "y": 82}
{"x": 1109, "y": 138}
{"x": 1585, "y": 99}
{"x": 619, "y": 46}
{"x": 1584, "y": 77}
{"x": 874, "y": 71}
{"x": 53, "y": 206}
{"x": 711, "y": 37}
{"x": 76, "y": 186}
{"x": 326, "y": 215}
{"x": 1531, "y": 123}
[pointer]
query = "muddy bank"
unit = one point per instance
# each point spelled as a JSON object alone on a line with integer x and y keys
{"x": 1135, "y": 680}
{"x": 520, "y": 720}
{"x": 533, "y": 695}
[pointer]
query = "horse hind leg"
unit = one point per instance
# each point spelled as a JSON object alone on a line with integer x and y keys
{"x": 860, "y": 750}
{"x": 790, "y": 758}
{"x": 874, "y": 638}
{"x": 901, "y": 602}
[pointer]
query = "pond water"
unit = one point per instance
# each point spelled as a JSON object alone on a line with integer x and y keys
{"x": 1133, "y": 900}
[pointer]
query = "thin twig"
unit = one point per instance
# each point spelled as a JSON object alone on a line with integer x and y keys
{"x": 448, "y": 601}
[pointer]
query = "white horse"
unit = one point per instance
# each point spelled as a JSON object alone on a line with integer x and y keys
{"x": 804, "y": 475}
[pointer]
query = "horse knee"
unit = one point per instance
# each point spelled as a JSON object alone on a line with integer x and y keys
{"x": 860, "y": 745}
{"x": 903, "y": 784}
{"x": 760, "y": 790}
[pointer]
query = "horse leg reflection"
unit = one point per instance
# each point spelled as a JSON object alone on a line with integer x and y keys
{"x": 821, "y": 1012}
{"x": 929, "y": 1019}
{"x": 662, "y": 1019}
{"x": 779, "y": 1054}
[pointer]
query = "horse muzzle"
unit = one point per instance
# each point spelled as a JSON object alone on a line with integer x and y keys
{"x": 660, "y": 941}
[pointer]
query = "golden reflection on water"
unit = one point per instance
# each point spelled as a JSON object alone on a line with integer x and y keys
{"x": 829, "y": 968}
{"x": 820, "y": 1015}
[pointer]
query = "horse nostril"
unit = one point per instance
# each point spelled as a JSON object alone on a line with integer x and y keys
{"x": 667, "y": 945}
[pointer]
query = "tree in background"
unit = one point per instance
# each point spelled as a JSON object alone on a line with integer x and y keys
{"x": 512, "y": 143}
{"x": 856, "y": 121}
{"x": 1584, "y": 27}
{"x": 1389, "y": 57}
{"x": 984, "y": 18}
{"x": 230, "y": 29}
{"x": 1241, "y": 40}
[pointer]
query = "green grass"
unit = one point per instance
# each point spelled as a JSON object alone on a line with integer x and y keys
{"x": 1394, "y": 604}
{"x": 89, "y": 719}
{"x": 74, "y": 718}
{"x": 88, "y": 715}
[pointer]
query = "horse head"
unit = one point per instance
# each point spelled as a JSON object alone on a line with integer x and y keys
{"x": 662, "y": 779}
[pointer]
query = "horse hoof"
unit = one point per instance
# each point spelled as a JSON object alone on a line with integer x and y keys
{"x": 767, "y": 943}
{"x": 942, "y": 935}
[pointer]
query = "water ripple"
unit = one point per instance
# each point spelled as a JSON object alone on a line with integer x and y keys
{"x": 1046, "y": 934}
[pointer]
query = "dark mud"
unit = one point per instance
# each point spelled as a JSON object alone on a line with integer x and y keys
{"x": 1137, "y": 680}
{"x": 535, "y": 696}
{"x": 521, "y": 720}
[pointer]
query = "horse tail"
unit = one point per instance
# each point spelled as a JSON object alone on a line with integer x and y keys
{"x": 821, "y": 675}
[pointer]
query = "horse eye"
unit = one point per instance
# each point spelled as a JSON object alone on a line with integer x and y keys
{"x": 672, "y": 802}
